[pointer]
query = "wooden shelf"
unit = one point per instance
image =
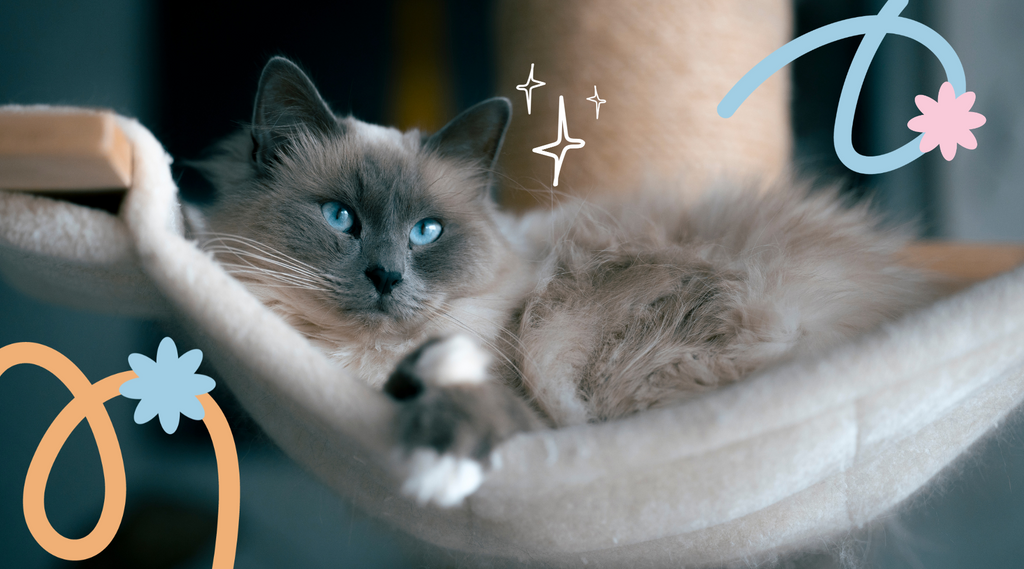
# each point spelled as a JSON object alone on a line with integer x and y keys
{"x": 963, "y": 263}
{"x": 57, "y": 149}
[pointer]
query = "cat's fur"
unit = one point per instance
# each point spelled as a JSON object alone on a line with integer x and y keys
{"x": 590, "y": 311}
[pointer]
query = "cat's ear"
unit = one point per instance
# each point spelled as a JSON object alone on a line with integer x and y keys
{"x": 286, "y": 102}
{"x": 476, "y": 134}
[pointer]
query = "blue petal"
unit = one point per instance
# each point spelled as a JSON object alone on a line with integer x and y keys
{"x": 192, "y": 408}
{"x": 167, "y": 352}
{"x": 195, "y": 384}
{"x": 141, "y": 365}
{"x": 189, "y": 361}
{"x": 169, "y": 421}
{"x": 136, "y": 388}
{"x": 168, "y": 386}
{"x": 145, "y": 411}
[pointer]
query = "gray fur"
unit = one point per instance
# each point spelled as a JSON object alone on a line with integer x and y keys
{"x": 286, "y": 102}
{"x": 593, "y": 310}
{"x": 464, "y": 419}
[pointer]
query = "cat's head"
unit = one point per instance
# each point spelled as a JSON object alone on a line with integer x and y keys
{"x": 359, "y": 221}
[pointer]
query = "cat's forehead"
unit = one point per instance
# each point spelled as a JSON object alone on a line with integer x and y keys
{"x": 378, "y": 153}
{"x": 377, "y": 164}
{"x": 377, "y": 135}
{"x": 362, "y": 150}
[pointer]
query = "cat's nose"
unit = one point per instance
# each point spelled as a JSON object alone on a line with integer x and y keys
{"x": 382, "y": 279}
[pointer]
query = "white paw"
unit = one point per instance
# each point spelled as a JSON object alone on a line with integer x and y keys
{"x": 455, "y": 360}
{"x": 445, "y": 480}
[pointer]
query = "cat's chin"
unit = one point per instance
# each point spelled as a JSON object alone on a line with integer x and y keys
{"x": 388, "y": 313}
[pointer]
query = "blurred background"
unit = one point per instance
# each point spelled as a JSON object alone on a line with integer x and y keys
{"x": 188, "y": 71}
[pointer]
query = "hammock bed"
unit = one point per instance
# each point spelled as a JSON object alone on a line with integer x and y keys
{"x": 796, "y": 454}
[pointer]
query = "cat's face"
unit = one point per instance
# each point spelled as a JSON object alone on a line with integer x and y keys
{"x": 374, "y": 225}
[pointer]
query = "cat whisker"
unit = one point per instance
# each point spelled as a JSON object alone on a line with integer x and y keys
{"x": 496, "y": 326}
{"x": 494, "y": 348}
{"x": 297, "y": 277}
{"x": 245, "y": 256}
{"x": 279, "y": 277}
{"x": 225, "y": 238}
{"x": 250, "y": 269}
{"x": 268, "y": 285}
{"x": 260, "y": 256}
{"x": 508, "y": 337}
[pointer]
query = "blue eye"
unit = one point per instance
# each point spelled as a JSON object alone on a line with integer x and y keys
{"x": 338, "y": 216}
{"x": 426, "y": 231}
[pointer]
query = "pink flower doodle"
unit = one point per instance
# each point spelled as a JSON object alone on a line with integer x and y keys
{"x": 946, "y": 122}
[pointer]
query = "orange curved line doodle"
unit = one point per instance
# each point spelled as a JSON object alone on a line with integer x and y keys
{"x": 87, "y": 403}
{"x": 229, "y": 482}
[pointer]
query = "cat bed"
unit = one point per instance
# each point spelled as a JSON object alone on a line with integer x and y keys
{"x": 786, "y": 459}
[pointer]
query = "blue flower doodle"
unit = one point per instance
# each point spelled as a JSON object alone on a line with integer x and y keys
{"x": 167, "y": 387}
{"x": 874, "y": 29}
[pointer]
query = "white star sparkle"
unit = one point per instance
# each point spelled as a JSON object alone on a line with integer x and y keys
{"x": 563, "y": 129}
{"x": 597, "y": 101}
{"x": 528, "y": 89}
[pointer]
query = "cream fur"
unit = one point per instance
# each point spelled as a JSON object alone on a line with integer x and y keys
{"x": 442, "y": 479}
{"x": 588, "y": 311}
{"x": 455, "y": 361}
{"x": 605, "y": 331}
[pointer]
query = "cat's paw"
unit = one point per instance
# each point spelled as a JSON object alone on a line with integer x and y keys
{"x": 442, "y": 479}
{"x": 452, "y": 415}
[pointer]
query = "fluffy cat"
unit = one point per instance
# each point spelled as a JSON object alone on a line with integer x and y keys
{"x": 386, "y": 250}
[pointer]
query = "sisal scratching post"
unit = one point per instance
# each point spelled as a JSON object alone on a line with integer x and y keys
{"x": 662, "y": 66}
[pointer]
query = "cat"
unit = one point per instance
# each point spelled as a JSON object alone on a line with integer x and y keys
{"x": 386, "y": 250}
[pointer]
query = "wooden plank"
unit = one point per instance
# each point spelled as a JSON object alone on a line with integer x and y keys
{"x": 62, "y": 149}
{"x": 964, "y": 263}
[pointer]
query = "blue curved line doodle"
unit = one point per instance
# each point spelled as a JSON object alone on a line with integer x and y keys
{"x": 874, "y": 29}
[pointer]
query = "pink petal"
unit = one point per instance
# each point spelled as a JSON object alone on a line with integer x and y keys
{"x": 925, "y": 103}
{"x": 967, "y": 140}
{"x": 965, "y": 102}
{"x": 920, "y": 123}
{"x": 974, "y": 120}
{"x": 946, "y": 94}
{"x": 948, "y": 148}
{"x": 929, "y": 141}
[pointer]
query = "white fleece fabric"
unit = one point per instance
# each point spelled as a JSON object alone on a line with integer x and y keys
{"x": 796, "y": 454}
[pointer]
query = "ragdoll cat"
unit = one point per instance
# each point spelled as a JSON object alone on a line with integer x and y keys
{"x": 385, "y": 250}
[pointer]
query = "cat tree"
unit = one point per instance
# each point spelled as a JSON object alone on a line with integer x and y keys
{"x": 784, "y": 460}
